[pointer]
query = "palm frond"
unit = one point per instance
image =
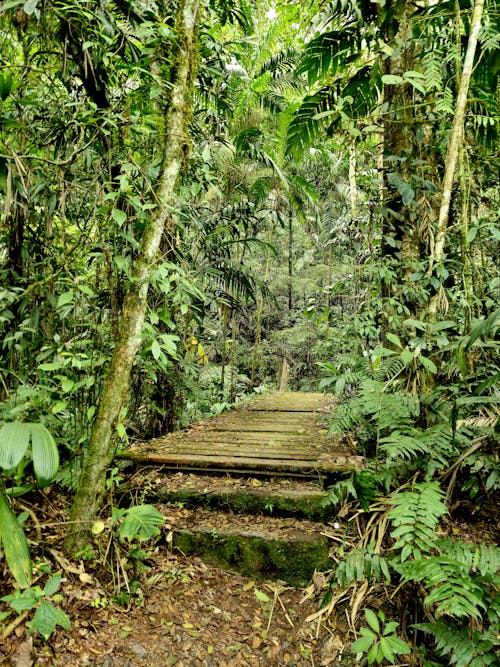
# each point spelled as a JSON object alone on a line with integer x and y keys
{"x": 280, "y": 63}
{"x": 329, "y": 52}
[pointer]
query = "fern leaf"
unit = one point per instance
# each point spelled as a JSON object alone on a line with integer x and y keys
{"x": 399, "y": 445}
{"x": 454, "y": 591}
{"x": 361, "y": 565}
{"x": 415, "y": 517}
{"x": 478, "y": 650}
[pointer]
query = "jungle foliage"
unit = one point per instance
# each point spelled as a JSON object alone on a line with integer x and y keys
{"x": 305, "y": 238}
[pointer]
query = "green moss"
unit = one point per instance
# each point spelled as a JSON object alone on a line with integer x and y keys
{"x": 309, "y": 504}
{"x": 292, "y": 560}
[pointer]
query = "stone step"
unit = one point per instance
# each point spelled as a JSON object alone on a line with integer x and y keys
{"x": 239, "y": 495}
{"x": 268, "y": 547}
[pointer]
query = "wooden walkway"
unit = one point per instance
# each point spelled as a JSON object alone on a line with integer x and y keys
{"x": 275, "y": 434}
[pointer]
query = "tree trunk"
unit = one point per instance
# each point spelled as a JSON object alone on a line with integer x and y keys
{"x": 100, "y": 453}
{"x": 453, "y": 150}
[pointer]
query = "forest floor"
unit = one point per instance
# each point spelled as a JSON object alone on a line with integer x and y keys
{"x": 184, "y": 612}
{"x": 188, "y": 614}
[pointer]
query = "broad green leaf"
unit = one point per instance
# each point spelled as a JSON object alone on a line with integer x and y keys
{"x": 471, "y": 234}
{"x": 406, "y": 356}
{"x": 427, "y": 363}
{"x": 118, "y": 216}
{"x": 45, "y": 454}
{"x": 67, "y": 384}
{"x": 25, "y": 600}
{"x": 45, "y": 619}
{"x": 62, "y": 619}
{"x": 155, "y": 350}
{"x": 392, "y": 79}
{"x": 390, "y": 628}
{"x": 141, "y": 523}
{"x": 14, "y": 441}
{"x": 51, "y": 366}
{"x": 65, "y": 298}
{"x": 15, "y": 545}
{"x": 59, "y": 406}
{"x": 363, "y": 643}
{"x": 385, "y": 647}
{"x": 168, "y": 343}
{"x": 374, "y": 654}
{"x": 397, "y": 645}
{"x": 372, "y": 620}
{"x": 394, "y": 339}
{"x": 52, "y": 585}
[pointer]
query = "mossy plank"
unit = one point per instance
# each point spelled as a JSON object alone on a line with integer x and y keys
{"x": 254, "y": 438}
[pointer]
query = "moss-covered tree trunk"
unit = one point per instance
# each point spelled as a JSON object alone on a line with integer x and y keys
{"x": 100, "y": 453}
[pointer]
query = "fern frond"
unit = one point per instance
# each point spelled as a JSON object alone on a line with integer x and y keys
{"x": 361, "y": 565}
{"x": 399, "y": 445}
{"x": 481, "y": 558}
{"x": 462, "y": 648}
{"x": 324, "y": 54}
{"x": 309, "y": 119}
{"x": 415, "y": 517}
{"x": 454, "y": 591}
{"x": 280, "y": 63}
{"x": 432, "y": 67}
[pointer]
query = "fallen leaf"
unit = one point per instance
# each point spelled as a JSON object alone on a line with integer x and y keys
{"x": 22, "y": 656}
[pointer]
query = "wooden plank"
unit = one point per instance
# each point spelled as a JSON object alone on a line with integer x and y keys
{"x": 261, "y": 454}
{"x": 230, "y": 462}
{"x": 277, "y": 433}
{"x": 291, "y": 402}
{"x": 236, "y": 462}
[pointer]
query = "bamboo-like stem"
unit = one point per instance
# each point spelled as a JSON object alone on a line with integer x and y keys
{"x": 453, "y": 150}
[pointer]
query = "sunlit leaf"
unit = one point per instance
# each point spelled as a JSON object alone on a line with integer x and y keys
{"x": 14, "y": 441}
{"x": 45, "y": 454}
{"x": 15, "y": 545}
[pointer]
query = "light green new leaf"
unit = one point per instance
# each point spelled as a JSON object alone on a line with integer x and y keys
{"x": 372, "y": 620}
{"x": 52, "y": 585}
{"x": 14, "y": 441}
{"x": 15, "y": 546}
{"x": 45, "y": 454}
{"x": 260, "y": 595}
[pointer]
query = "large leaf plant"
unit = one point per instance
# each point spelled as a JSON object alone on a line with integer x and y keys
{"x": 21, "y": 442}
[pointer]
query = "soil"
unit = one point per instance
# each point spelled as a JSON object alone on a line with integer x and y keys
{"x": 185, "y": 613}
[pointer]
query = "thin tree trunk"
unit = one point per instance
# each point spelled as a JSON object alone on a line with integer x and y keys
{"x": 453, "y": 150}
{"x": 353, "y": 187}
{"x": 114, "y": 396}
{"x": 290, "y": 263}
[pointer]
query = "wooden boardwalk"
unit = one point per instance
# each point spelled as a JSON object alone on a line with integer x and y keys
{"x": 275, "y": 434}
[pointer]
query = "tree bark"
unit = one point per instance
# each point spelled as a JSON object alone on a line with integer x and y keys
{"x": 100, "y": 452}
{"x": 453, "y": 150}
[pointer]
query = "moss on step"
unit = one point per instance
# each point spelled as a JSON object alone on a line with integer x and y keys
{"x": 254, "y": 553}
{"x": 304, "y": 504}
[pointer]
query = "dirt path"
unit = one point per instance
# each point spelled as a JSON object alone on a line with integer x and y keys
{"x": 186, "y": 614}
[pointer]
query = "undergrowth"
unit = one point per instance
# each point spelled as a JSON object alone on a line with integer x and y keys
{"x": 431, "y": 442}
